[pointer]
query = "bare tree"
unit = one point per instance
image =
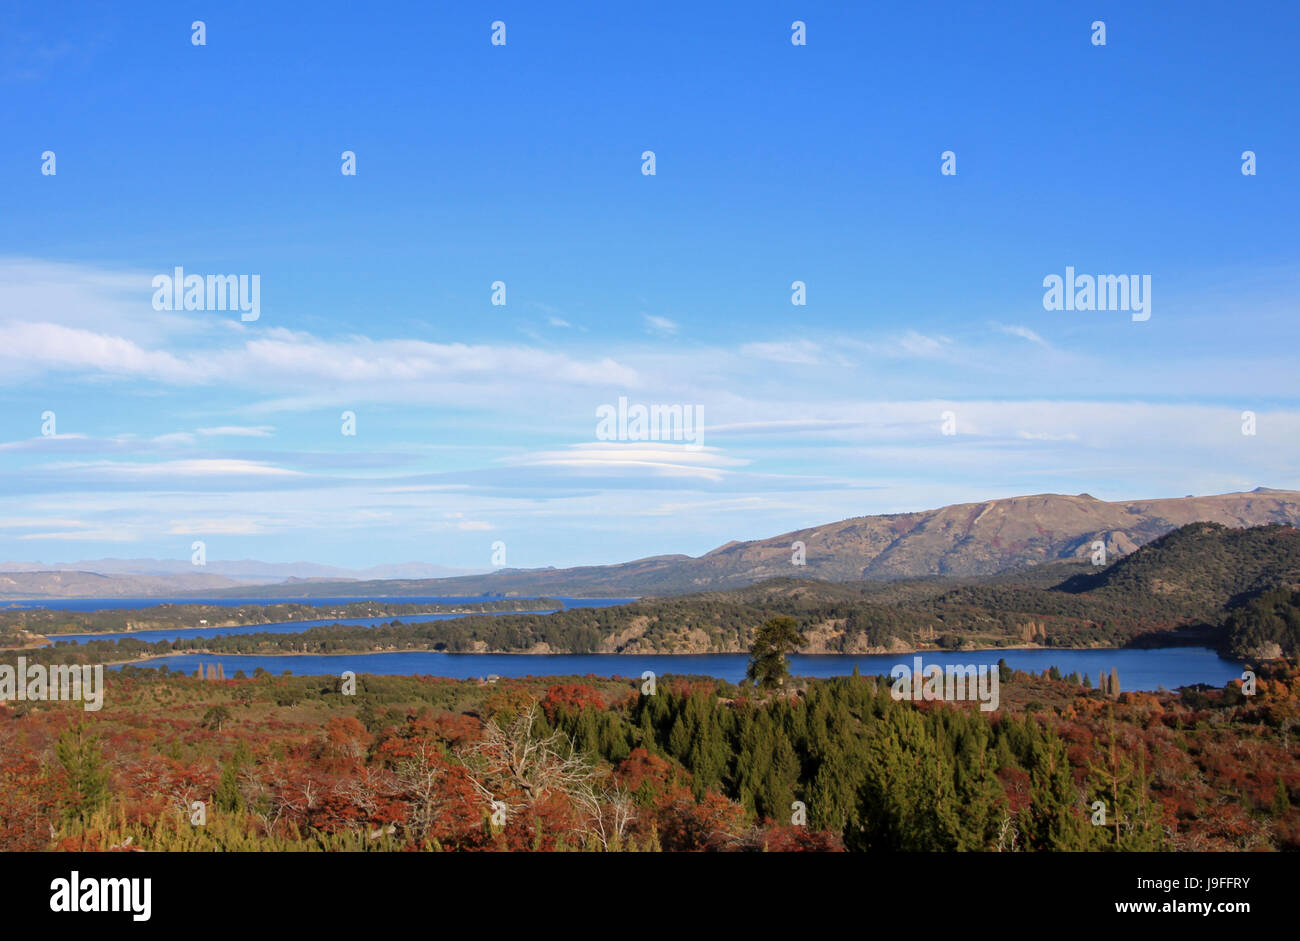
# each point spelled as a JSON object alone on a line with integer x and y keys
{"x": 607, "y": 812}
{"x": 517, "y": 761}
{"x": 1008, "y": 835}
{"x": 418, "y": 779}
{"x": 516, "y": 758}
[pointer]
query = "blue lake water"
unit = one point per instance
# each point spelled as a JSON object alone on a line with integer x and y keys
{"x": 1138, "y": 669}
{"x": 104, "y": 604}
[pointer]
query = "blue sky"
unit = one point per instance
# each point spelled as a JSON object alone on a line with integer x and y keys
{"x": 522, "y": 163}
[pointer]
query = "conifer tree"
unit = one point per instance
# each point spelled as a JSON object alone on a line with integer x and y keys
{"x": 79, "y": 755}
{"x": 1053, "y": 820}
{"x": 1132, "y": 822}
{"x": 908, "y": 800}
{"x": 778, "y": 637}
{"x": 1280, "y": 806}
{"x": 228, "y": 796}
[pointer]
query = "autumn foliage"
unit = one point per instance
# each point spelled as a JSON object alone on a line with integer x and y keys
{"x": 552, "y": 765}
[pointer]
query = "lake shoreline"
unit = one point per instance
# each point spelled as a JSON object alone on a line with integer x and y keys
{"x": 1140, "y": 669}
{"x": 629, "y": 655}
{"x": 229, "y": 624}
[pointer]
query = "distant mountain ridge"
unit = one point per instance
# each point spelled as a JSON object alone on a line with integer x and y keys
{"x": 243, "y": 570}
{"x": 51, "y": 585}
{"x": 961, "y": 540}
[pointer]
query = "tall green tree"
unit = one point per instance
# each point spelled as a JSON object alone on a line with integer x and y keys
{"x": 1281, "y": 803}
{"x": 82, "y": 761}
{"x": 1132, "y": 821}
{"x": 1054, "y": 819}
{"x": 773, "y": 643}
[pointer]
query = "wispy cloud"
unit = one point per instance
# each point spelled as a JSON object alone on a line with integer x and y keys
{"x": 675, "y": 460}
{"x": 216, "y": 527}
{"x": 804, "y": 352}
{"x": 238, "y": 431}
{"x": 660, "y": 326}
{"x": 1013, "y": 330}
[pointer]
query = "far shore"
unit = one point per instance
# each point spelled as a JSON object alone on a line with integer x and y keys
{"x": 459, "y": 612}
{"x": 615, "y": 653}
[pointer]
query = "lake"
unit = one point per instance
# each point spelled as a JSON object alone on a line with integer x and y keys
{"x": 1169, "y": 667}
{"x": 105, "y": 604}
{"x": 282, "y": 627}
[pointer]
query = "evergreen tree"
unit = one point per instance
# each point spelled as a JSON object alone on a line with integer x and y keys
{"x": 215, "y": 717}
{"x": 1132, "y": 822}
{"x": 1053, "y": 819}
{"x": 228, "y": 796}
{"x": 978, "y": 790}
{"x": 908, "y": 799}
{"x": 773, "y": 642}
{"x": 1281, "y": 803}
{"x": 79, "y": 755}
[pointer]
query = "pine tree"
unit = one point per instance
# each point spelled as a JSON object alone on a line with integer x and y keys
{"x": 79, "y": 754}
{"x": 1053, "y": 820}
{"x": 1132, "y": 822}
{"x": 778, "y": 637}
{"x": 228, "y": 796}
{"x": 1280, "y": 806}
{"x": 978, "y": 789}
{"x": 908, "y": 799}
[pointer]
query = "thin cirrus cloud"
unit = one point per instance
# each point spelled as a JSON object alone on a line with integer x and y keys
{"x": 238, "y": 431}
{"x": 115, "y": 534}
{"x": 660, "y": 326}
{"x": 224, "y": 526}
{"x": 286, "y": 370}
{"x": 641, "y": 457}
{"x": 286, "y": 359}
{"x": 199, "y": 467}
{"x": 1024, "y": 333}
{"x": 800, "y": 352}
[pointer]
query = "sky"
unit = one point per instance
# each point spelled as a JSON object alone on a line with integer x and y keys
{"x": 922, "y": 370}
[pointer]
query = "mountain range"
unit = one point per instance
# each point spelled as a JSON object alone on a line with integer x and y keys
{"x": 969, "y": 539}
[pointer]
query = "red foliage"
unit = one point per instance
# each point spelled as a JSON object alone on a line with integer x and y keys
{"x": 573, "y": 696}
{"x": 802, "y": 840}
